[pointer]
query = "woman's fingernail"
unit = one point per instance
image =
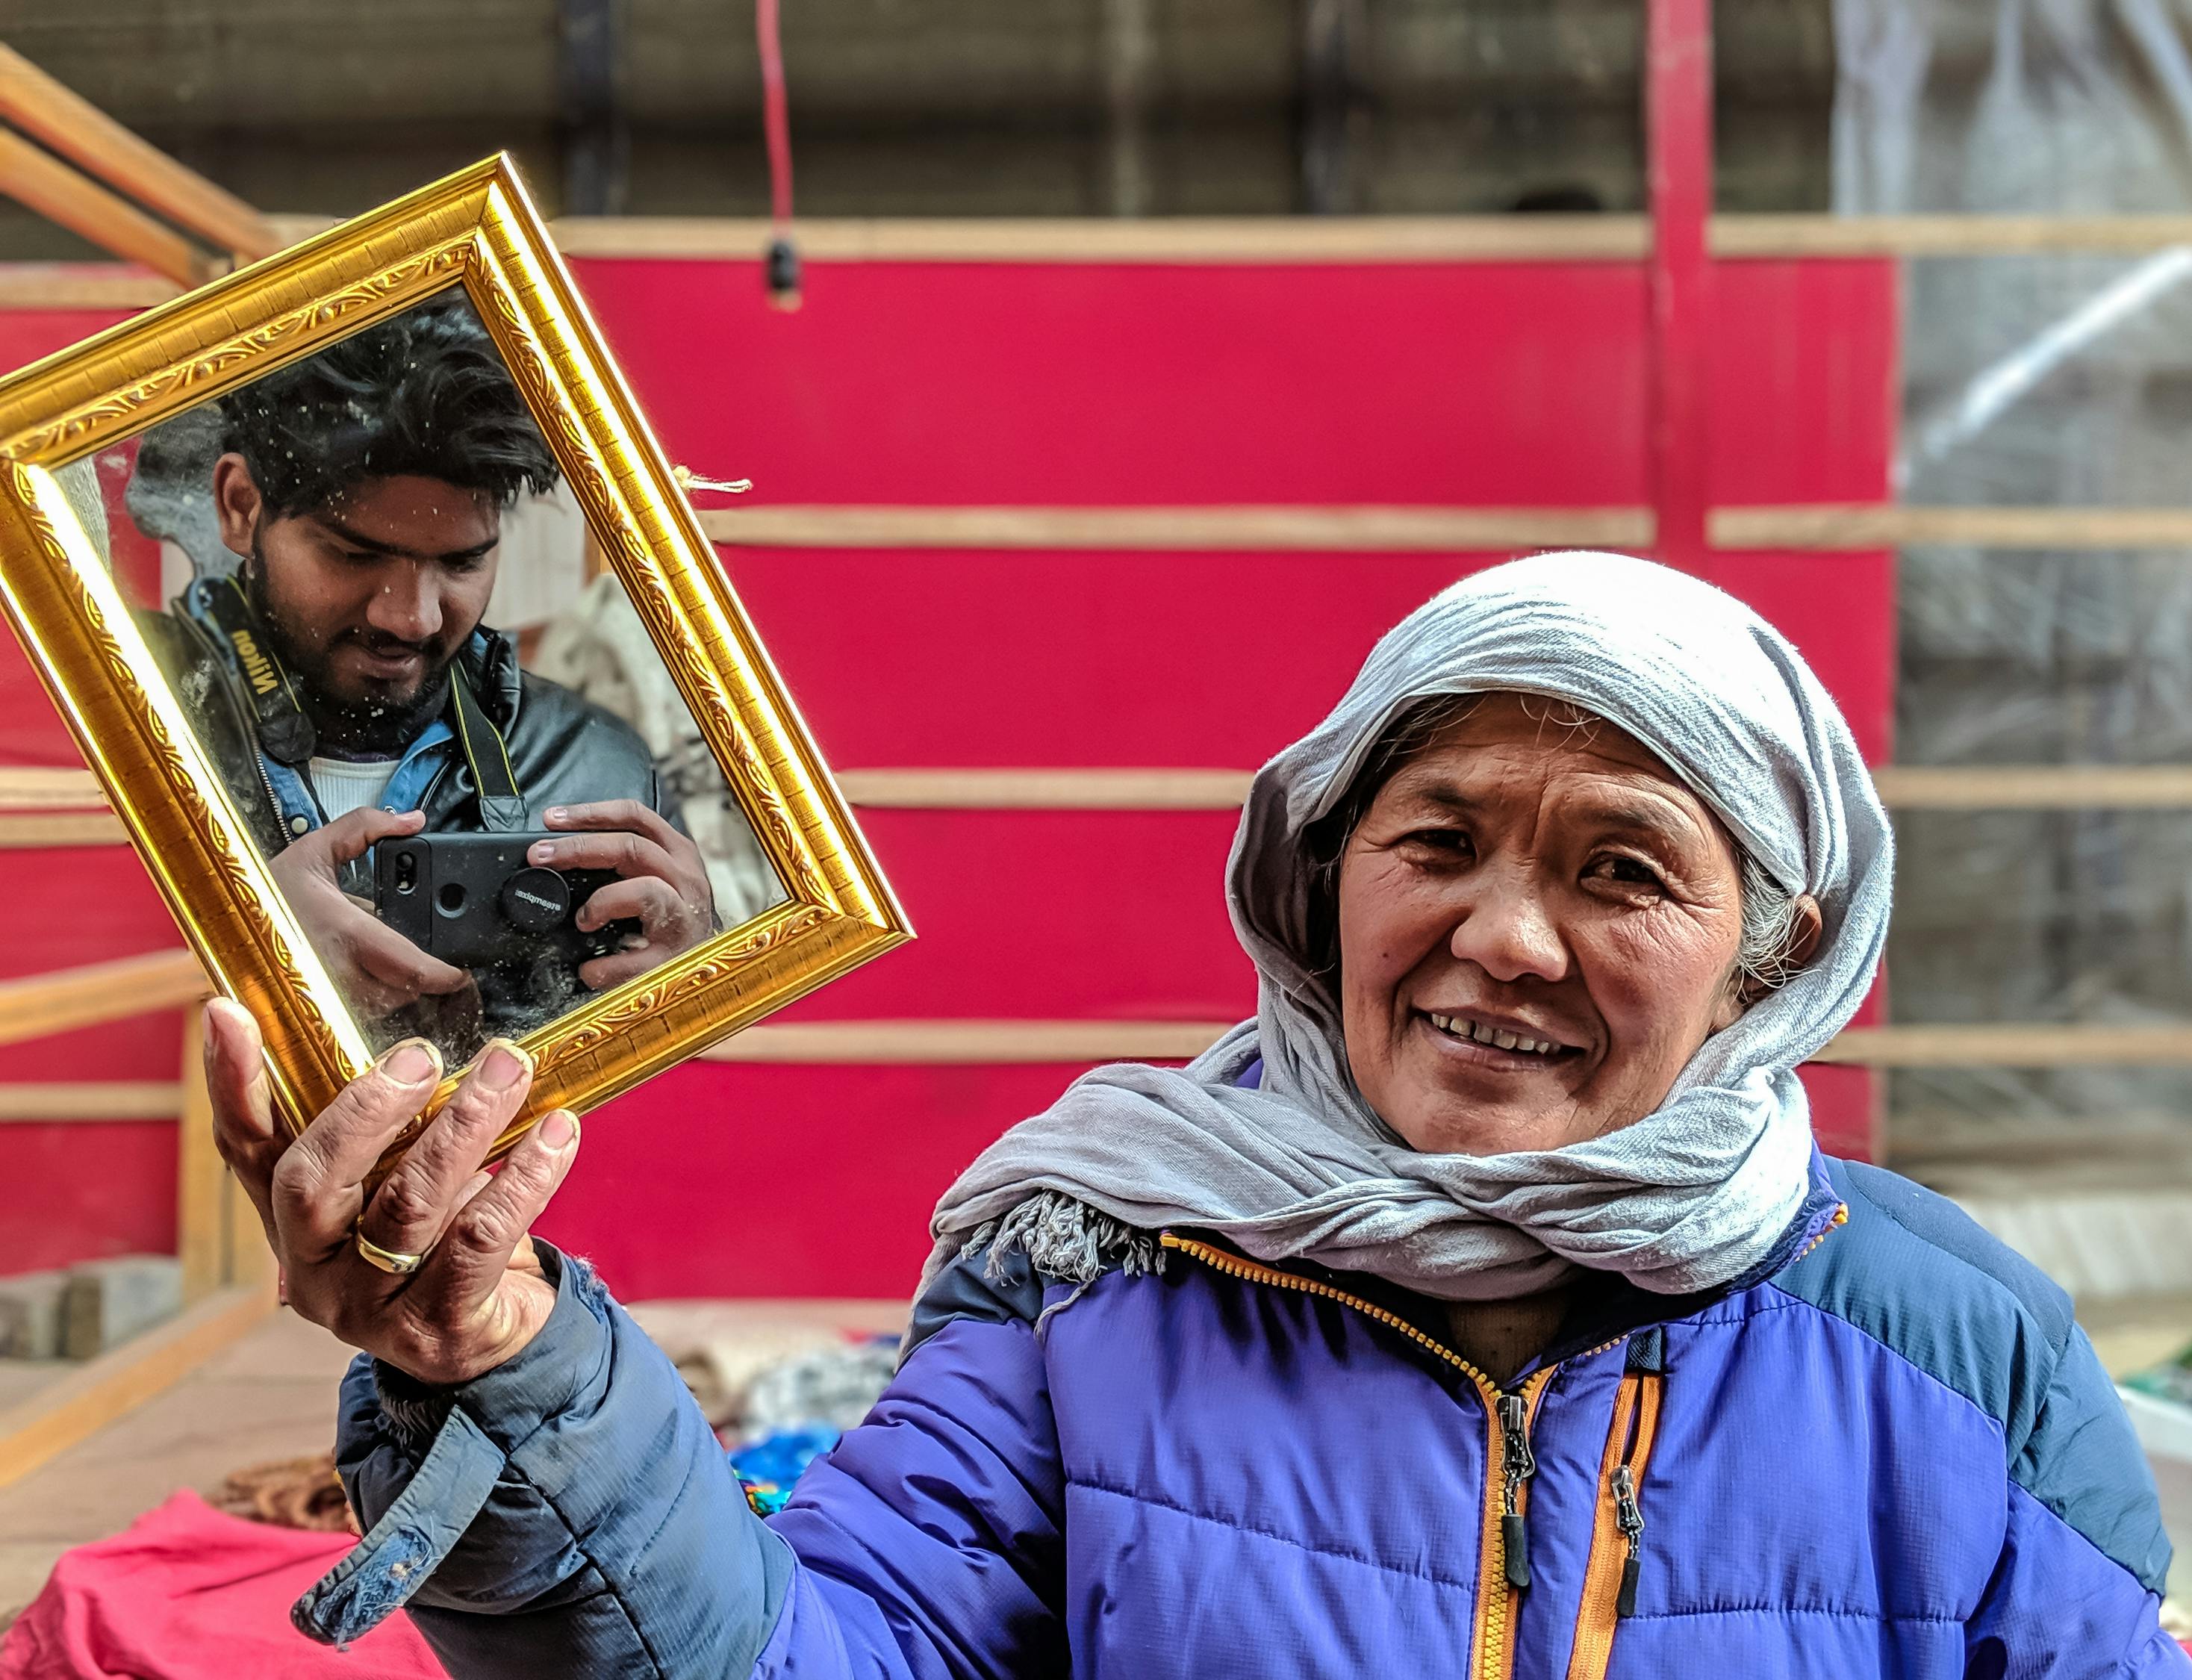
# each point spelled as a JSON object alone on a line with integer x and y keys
{"x": 544, "y": 852}
{"x": 412, "y": 1062}
{"x": 502, "y": 1066}
{"x": 559, "y": 1128}
{"x": 558, "y": 813}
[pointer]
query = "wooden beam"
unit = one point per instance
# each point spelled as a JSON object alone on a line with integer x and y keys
{"x": 201, "y": 1176}
{"x": 1014, "y": 1043}
{"x": 19, "y": 831}
{"x": 2035, "y": 787}
{"x": 1858, "y": 527}
{"x": 39, "y": 787}
{"x": 1365, "y": 239}
{"x": 1081, "y": 790}
{"x": 73, "y": 1408}
{"x": 979, "y": 1043}
{"x": 1905, "y": 786}
{"x": 1944, "y": 236}
{"x": 81, "y": 285}
{"x": 37, "y": 1005}
{"x": 1166, "y": 239}
{"x": 1911, "y": 787}
{"x": 28, "y": 1102}
{"x": 1459, "y": 530}
{"x": 41, "y": 181}
{"x": 2013, "y": 1044}
{"x": 78, "y": 130}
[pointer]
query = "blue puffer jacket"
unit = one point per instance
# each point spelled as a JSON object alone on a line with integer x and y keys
{"x": 1892, "y": 1454}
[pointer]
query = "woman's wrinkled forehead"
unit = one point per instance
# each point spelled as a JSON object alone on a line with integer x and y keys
{"x": 1453, "y": 752}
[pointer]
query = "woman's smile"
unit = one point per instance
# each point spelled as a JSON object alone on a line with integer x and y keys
{"x": 1490, "y": 1045}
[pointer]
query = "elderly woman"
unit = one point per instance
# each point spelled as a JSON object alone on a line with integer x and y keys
{"x": 1481, "y": 1307}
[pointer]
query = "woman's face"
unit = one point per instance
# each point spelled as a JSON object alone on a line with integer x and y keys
{"x": 1549, "y": 888}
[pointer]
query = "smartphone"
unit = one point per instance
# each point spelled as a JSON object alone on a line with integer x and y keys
{"x": 473, "y": 902}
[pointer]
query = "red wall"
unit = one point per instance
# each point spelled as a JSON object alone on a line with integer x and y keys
{"x": 1502, "y": 385}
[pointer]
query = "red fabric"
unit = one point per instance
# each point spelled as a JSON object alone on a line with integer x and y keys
{"x": 187, "y": 1592}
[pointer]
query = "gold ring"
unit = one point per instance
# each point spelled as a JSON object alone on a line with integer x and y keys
{"x": 387, "y": 1259}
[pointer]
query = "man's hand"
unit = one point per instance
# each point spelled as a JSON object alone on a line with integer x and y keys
{"x": 480, "y": 1296}
{"x": 377, "y": 970}
{"x": 665, "y": 887}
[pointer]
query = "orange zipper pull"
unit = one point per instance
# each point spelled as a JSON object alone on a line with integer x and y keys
{"x": 1630, "y": 1520}
{"x": 1518, "y": 1466}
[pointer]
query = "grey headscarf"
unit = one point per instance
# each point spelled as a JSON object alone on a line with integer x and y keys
{"x": 1691, "y": 1196}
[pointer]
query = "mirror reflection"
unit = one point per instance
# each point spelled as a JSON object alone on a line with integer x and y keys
{"x": 435, "y": 709}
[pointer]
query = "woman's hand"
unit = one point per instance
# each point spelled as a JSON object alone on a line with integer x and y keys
{"x": 376, "y": 970}
{"x": 479, "y": 1296}
{"x": 665, "y": 887}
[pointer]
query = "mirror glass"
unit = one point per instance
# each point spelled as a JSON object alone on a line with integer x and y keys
{"x": 430, "y": 699}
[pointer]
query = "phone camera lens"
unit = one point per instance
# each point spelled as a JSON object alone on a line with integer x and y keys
{"x": 407, "y": 873}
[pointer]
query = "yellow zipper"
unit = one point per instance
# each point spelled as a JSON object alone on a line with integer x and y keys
{"x": 1629, "y": 1443}
{"x": 1497, "y": 1601}
{"x": 1628, "y": 1447}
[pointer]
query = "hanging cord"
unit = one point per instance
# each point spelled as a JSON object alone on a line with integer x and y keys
{"x": 783, "y": 265}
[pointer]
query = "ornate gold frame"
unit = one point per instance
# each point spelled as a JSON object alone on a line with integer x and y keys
{"x": 477, "y": 228}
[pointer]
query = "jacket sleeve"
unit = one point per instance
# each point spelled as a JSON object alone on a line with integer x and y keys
{"x": 2075, "y": 1594}
{"x": 570, "y": 1512}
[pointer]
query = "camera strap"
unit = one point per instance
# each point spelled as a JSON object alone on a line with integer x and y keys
{"x": 286, "y": 733}
{"x": 501, "y": 801}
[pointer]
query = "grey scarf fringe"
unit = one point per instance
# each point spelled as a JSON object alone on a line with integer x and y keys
{"x": 1066, "y": 1239}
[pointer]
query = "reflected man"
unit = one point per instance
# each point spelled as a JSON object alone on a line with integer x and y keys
{"x": 350, "y": 693}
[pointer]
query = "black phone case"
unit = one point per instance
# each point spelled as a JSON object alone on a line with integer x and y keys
{"x": 445, "y": 894}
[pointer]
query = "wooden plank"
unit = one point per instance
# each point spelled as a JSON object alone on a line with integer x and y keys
{"x": 201, "y": 1176}
{"x": 41, "y": 181}
{"x": 88, "y": 137}
{"x": 1860, "y": 527}
{"x": 21, "y": 829}
{"x": 1944, "y": 236}
{"x": 1461, "y": 530}
{"x": 39, "y": 787}
{"x": 38, "y": 1004}
{"x": 1168, "y": 239}
{"x": 976, "y": 1042}
{"x": 76, "y": 1407}
{"x": 1011, "y": 1042}
{"x": 1906, "y": 787}
{"x": 1496, "y": 238}
{"x": 2013, "y": 1044}
{"x": 81, "y": 286}
{"x": 1077, "y": 790}
{"x": 2035, "y": 787}
{"x": 1363, "y": 239}
{"x": 30, "y": 1102}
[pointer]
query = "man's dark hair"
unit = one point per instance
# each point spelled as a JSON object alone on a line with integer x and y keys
{"x": 424, "y": 393}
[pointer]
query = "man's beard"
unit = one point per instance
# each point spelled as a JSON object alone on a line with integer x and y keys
{"x": 371, "y": 726}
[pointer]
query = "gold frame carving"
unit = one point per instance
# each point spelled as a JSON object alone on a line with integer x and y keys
{"x": 477, "y": 229}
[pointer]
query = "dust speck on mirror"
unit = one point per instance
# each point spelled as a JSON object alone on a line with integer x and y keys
{"x": 428, "y": 699}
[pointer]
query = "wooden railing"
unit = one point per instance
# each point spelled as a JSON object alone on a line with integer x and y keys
{"x": 227, "y": 1271}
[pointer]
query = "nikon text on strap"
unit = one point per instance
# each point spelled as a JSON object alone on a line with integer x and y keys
{"x": 285, "y": 733}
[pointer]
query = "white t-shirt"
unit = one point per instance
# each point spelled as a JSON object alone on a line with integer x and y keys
{"x": 347, "y": 784}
